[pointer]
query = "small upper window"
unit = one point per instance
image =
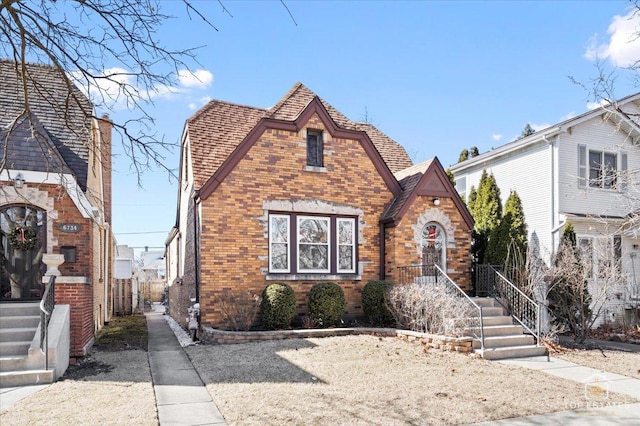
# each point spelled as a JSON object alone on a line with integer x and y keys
{"x": 314, "y": 148}
{"x": 602, "y": 169}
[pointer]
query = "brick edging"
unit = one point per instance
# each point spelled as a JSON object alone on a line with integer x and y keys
{"x": 444, "y": 343}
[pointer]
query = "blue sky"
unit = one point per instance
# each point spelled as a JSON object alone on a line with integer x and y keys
{"x": 437, "y": 77}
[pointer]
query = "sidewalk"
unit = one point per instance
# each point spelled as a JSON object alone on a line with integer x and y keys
{"x": 181, "y": 397}
{"x": 596, "y": 411}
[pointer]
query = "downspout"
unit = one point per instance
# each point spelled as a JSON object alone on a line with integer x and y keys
{"x": 382, "y": 249}
{"x": 196, "y": 245}
{"x": 553, "y": 192}
{"x": 106, "y": 273}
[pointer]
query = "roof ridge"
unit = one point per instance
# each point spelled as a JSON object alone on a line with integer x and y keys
{"x": 206, "y": 107}
{"x": 270, "y": 112}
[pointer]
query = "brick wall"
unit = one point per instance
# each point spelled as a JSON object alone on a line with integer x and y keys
{"x": 234, "y": 247}
{"x": 402, "y": 244}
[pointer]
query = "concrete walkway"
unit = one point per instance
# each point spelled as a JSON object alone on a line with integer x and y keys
{"x": 597, "y": 385}
{"x": 181, "y": 397}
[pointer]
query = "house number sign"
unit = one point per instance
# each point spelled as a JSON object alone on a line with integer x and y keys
{"x": 70, "y": 227}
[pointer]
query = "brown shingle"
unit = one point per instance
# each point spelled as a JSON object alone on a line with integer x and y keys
{"x": 219, "y": 127}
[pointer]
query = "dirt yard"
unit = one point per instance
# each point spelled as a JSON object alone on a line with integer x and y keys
{"x": 372, "y": 380}
{"x": 110, "y": 387}
{"x": 337, "y": 380}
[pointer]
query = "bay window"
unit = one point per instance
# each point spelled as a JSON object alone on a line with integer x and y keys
{"x": 310, "y": 244}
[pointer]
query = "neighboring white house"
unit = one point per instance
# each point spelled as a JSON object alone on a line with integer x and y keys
{"x": 583, "y": 170}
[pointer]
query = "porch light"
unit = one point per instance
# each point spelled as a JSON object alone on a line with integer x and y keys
{"x": 18, "y": 181}
{"x": 436, "y": 201}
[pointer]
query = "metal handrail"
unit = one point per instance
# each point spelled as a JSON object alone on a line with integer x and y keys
{"x": 449, "y": 283}
{"x": 520, "y": 306}
{"x": 47, "y": 304}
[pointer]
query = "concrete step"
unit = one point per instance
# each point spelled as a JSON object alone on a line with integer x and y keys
{"x": 15, "y": 309}
{"x": 497, "y": 320}
{"x": 13, "y": 363}
{"x": 505, "y": 341}
{"x": 26, "y": 378}
{"x": 484, "y": 301}
{"x": 17, "y": 334}
{"x": 492, "y": 311}
{"x": 14, "y": 348}
{"x": 501, "y": 330}
{"x": 514, "y": 352}
{"x": 20, "y": 321}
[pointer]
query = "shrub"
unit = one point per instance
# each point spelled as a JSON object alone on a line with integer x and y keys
{"x": 429, "y": 309}
{"x": 278, "y": 306}
{"x": 374, "y": 302}
{"x": 239, "y": 309}
{"x": 326, "y": 304}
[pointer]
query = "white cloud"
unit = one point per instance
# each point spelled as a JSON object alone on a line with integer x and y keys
{"x": 568, "y": 116}
{"x": 596, "y": 105}
{"x": 496, "y": 136}
{"x": 538, "y": 127}
{"x": 200, "y": 79}
{"x": 115, "y": 88}
{"x": 192, "y": 106}
{"x": 623, "y": 46}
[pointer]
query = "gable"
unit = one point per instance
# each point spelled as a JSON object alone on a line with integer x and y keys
{"x": 315, "y": 107}
{"x": 29, "y": 147}
{"x": 432, "y": 182}
{"x": 67, "y": 119}
{"x": 219, "y": 128}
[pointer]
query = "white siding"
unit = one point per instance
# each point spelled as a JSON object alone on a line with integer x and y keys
{"x": 527, "y": 172}
{"x": 597, "y": 135}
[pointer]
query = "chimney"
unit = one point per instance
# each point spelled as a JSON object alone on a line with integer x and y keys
{"x": 105, "y": 126}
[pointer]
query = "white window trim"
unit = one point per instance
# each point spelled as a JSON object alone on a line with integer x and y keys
{"x": 352, "y": 245}
{"x": 288, "y": 242}
{"x": 328, "y": 244}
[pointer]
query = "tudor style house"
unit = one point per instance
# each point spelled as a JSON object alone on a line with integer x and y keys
{"x": 299, "y": 194}
{"x": 583, "y": 171}
{"x": 55, "y": 214}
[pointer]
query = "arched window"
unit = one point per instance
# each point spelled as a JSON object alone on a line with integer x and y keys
{"x": 22, "y": 242}
{"x": 433, "y": 245}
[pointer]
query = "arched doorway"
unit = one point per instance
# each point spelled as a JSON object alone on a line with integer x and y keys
{"x": 433, "y": 248}
{"x": 22, "y": 243}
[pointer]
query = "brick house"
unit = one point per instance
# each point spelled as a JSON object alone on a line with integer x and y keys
{"x": 300, "y": 194}
{"x": 56, "y": 193}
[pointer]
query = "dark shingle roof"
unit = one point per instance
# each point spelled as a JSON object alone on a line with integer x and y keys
{"x": 64, "y": 112}
{"x": 30, "y": 147}
{"x": 219, "y": 127}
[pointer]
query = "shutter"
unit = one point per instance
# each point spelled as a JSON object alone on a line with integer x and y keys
{"x": 582, "y": 166}
{"x": 622, "y": 173}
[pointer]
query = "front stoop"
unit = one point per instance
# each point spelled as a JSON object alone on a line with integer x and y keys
{"x": 18, "y": 325}
{"x": 502, "y": 338}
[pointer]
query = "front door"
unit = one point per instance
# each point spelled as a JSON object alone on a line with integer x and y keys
{"x": 22, "y": 242}
{"x": 433, "y": 248}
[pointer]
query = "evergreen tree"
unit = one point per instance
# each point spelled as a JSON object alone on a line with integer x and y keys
{"x": 464, "y": 155}
{"x": 474, "y": 151}
{"x": 473, "y": 194}
{"x": 451, "y": 177}
{"x": 486, "y": 209}
{"x": 509, "y": 238}
{"x": 527, "y": 131}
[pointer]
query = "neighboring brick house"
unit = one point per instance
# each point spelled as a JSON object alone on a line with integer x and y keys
{"x": 298, "y": 193}
{"x": 56, "y": 187}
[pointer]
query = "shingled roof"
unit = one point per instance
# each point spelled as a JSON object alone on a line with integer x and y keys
{"x": 219, "y": 127}
{"x": 30, "y": 147}
{"x": 64, "y": 114}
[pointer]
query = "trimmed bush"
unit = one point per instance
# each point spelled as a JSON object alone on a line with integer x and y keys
{"x": 278, "y": 306}
{"x": 326, "y": 304}
{"x": 374, "y": 302}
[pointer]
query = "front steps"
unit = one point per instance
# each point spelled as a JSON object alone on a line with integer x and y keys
{"x": 502, "y": 338}
{"x": 20, "y": 363}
